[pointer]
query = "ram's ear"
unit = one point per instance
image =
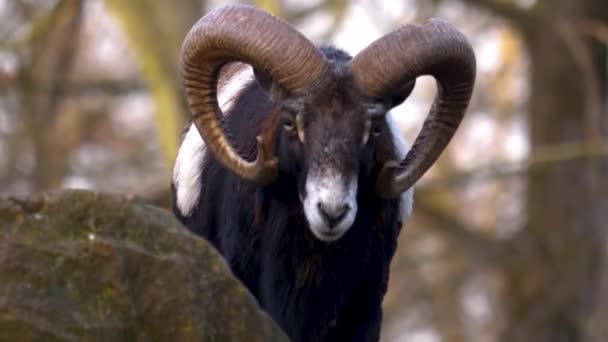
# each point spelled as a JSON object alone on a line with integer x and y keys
{"x": 263, "y": 79}
{"x": 401, "y": 93}
{"x": 271, "y": 88}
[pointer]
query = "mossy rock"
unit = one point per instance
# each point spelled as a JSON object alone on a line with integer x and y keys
{"x": 84, "y": 266}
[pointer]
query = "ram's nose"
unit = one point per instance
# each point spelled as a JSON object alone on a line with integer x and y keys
{"x": 333, "y": 213}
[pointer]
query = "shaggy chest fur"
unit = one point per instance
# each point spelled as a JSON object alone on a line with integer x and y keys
{"x": 316, "y": 291}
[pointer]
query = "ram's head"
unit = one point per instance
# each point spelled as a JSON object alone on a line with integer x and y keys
{"x": 330, "y": 129}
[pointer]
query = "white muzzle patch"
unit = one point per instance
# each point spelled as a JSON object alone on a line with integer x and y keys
{"x": 330, "y": 205}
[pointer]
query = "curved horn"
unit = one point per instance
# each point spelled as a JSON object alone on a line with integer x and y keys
{"x": 243, "y": 33}
{"x": 436, "y": 49}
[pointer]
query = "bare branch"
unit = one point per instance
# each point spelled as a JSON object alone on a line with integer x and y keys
{"x": 594, "y": 28}
{"x": 84, "y": 88}
{"x": 542, "y": 155}
{"x": 584, "y": 61}
{"x": 477, "y": 245}
{"x": 581, "y": 54}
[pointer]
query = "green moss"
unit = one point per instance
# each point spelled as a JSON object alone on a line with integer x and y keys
{"x": 84, "y": 266}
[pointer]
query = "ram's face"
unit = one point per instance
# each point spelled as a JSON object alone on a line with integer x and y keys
{"x": 328, "y": 139}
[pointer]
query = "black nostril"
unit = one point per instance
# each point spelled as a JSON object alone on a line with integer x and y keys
{"x": 333, "y": 215}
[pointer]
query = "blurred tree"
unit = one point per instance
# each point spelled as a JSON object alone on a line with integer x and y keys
{"x": 156, "y": 30}
{"x": 46, "y": 57}
{"x": 553, "y": 267}
{"x": 271, "y": 6}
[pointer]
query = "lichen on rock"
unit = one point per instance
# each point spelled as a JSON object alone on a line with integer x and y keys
{"x": 84, "y": 266}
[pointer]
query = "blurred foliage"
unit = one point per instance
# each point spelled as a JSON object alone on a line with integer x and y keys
{"x": 508, "y": 239}
{"x": 155, "y": 30}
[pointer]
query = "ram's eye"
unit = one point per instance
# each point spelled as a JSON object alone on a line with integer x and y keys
{"x": 376, "y": 130}
{"x": 289, "y": 124}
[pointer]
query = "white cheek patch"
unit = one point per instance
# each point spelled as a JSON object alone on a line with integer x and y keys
{"x": 234, "y": 77}
{"x": 401, "y": 149}
{"x": 187, "y": 171}
{"x": 330, "y": 188}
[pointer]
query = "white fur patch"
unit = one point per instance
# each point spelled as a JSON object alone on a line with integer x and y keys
{"x": 329, "y": 188}
{"x": 401, "y": 149}
{"x": 187, "y": 171}
{"x": 233, "y": 78}
{"x": 190, "y": 157}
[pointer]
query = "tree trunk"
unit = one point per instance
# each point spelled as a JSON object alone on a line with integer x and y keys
{"x": 551, "y": 295}
{"x": 156, "y": 31}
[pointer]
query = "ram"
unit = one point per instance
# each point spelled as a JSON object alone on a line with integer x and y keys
{"x": 298, "y": 175}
